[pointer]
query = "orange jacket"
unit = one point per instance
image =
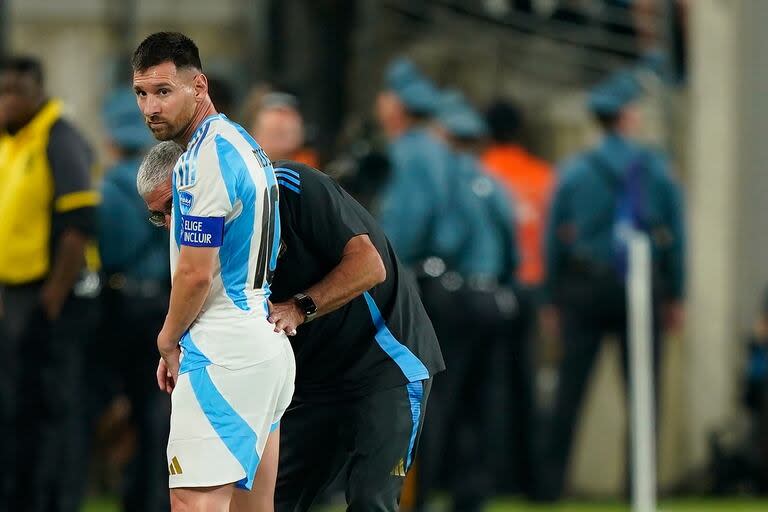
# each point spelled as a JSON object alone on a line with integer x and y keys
{"x": 530, "y": 181}
{"x": 307, "y": 156}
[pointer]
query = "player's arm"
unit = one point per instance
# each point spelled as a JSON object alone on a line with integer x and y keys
{"x": 74, "y": 213}
{"x": 190, "y": 285}
{"x": 202, "y": 208}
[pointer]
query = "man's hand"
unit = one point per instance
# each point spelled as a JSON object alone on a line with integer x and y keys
{"x": 165, "y": 380}
{"x": 673, "y": 316}
{"x": 286, "y": 316}
{"x": 52, "y": 299}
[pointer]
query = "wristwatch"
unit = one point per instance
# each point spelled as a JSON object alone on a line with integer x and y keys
{"x": 306, "y": 305}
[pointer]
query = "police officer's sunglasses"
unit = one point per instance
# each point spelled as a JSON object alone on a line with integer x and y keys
{"x": 157, "y": 218}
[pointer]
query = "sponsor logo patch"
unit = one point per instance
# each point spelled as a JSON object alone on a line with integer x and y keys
{"x": 185, "y": 202}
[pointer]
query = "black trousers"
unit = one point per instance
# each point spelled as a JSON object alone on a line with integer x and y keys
{"x": 42, "y": 408}
{"x": 459, "y": 431}
{"x": 129, "y": 329}
{"x": 514, "y": 444}
{"x": 590, "y": 310}
{"x": 370, "y": 441}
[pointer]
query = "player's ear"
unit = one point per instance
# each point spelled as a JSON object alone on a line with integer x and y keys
{"x": 201, "y": 86}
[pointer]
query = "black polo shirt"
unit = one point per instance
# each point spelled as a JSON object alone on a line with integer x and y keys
{"x": 380, "y": 339}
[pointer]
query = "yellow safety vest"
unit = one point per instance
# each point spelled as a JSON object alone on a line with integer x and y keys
{"x": 26, "y": 199}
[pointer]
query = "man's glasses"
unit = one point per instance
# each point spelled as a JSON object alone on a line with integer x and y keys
{"x": 157, "y": 218}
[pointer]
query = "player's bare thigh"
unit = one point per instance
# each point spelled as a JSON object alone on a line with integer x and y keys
{"x": 261, "y": 498}
{"x": 201, "y": 499}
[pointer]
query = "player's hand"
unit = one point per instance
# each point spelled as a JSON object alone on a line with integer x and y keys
{"x": 165, "y": 380}
{"x": 170, "y": 352}
{"x": 286, "y": 317}
{"x": 171, "y": 362}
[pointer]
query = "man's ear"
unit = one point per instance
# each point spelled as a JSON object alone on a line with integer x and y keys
{"x": 201, "y": 86}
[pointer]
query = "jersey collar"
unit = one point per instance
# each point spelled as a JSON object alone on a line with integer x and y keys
{"x": 201, "y": 126}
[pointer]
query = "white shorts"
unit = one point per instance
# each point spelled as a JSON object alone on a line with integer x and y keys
{"x": 220, "y": 420}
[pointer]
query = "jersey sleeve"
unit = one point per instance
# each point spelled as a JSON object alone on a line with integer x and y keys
{"x": 205, "y": 191}
{"x": 328, "y": 217}
{"x": 71, "y": 161}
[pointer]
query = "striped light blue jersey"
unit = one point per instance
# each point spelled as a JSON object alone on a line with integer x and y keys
{"x": 225, "y": 195}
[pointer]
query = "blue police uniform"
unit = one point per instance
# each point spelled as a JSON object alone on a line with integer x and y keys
{"x": 417, "y": 205}
{"x": 485, "y": 269}
{"x": 585, "y": 257}
{"x": 581, "y": 230}
{"x": 490, "y": 248}
{"x": 489, "y": 252}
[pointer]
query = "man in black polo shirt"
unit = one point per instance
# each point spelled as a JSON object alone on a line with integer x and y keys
{"x": 364, "y": 359}
{"x": 365, "y": 348}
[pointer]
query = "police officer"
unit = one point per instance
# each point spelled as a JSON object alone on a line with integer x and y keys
{"x": 415, "y": 208}
{"x": 420, "y": 207}
{"x": 484, "y": 277}
{"x": 47, "y": 209}
{"x": 134, "y": 256}
{"x": 586, "y": 255}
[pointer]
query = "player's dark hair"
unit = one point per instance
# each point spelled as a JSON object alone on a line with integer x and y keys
{"x": 25, "y": 65}
{"x": 607, "y": 122}
{"x": 166, "y": 47}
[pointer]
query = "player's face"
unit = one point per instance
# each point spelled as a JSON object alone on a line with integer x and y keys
{"x": 166, "y": 96}
{"x": 159, "y": 202}
{"x": 20, "y": 97}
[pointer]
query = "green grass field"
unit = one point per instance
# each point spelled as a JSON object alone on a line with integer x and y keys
{"x": 681, "y": 505}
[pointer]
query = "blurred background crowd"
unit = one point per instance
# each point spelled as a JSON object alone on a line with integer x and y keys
{"x": 501, "y": 144}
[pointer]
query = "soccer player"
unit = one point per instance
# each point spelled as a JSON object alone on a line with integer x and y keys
{"x": 366, "y": 351}
{"x": 231, "y": 375}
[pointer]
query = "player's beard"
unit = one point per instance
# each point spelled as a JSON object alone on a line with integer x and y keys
{"x": 165, "y": 131}
{"x": 170, "y": 131}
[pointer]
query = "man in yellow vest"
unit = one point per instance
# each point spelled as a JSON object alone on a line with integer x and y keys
{"x": 46, "y": 219}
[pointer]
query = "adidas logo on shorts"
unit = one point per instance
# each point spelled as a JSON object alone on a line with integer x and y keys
{"x": 174, "y": 468}
{"x": 399, "y": 469}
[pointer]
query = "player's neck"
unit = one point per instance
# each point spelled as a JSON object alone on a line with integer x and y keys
{"x": 203, "y": 110}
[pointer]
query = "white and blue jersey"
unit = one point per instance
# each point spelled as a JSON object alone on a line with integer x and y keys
{"x": 225, "y": 195}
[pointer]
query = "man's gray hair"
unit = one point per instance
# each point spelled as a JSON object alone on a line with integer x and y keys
{"x": 157, "y": 166}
